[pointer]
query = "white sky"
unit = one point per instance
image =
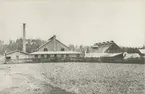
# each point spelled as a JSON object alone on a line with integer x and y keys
{"x": 75, "y": 21}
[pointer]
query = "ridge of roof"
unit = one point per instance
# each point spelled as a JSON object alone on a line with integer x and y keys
{"x": 49, "y": 40}
{"x": 56, "y": 52}
{"x": 104, "y": 43}
{"x": 16, "y": 51}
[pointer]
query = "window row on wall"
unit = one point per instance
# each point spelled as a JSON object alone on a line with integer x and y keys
{"x": 62, "y": 49}
{"x": 56, "y": 55}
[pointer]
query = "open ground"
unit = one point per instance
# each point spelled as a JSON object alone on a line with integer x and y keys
{"x": 72, "y": 78}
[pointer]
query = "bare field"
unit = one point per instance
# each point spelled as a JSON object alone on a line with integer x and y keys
{"x": 72, "y": 78}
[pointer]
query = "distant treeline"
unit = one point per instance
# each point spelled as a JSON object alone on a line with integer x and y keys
{"x": 32, "y": 45}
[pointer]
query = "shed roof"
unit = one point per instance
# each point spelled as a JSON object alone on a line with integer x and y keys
{"x": 130, "y": 50}
{"x": 17, "y": 51}
{"x": 131, "y": 55}
{"x": 102, "y": 54}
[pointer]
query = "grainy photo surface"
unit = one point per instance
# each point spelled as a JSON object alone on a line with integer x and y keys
{"x": 72, "y": 47}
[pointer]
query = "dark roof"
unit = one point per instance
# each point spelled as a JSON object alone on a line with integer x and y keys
{"x": 101, "y": 47}
{"x": 104, "y": 43}
{"x": 130, "y": 50}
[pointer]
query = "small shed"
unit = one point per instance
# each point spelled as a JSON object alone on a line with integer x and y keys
{"x": 142, "y": 52}
{"x": 131, "y": 55}
{"x": 16, "y": 55}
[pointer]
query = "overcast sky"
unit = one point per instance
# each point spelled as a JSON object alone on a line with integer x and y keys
{"x": 75, "y": 21}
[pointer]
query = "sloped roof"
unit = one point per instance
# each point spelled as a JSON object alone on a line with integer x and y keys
{"x": 102, "y": 54}
{"x": 16, "y": 51}
{"x": 130, "y": 50}
{"x": 49, "y": 40}
{"x": 142, "y": 51}
{"x": 131, "y": 55}
{"x": 55, "y": 52}
{"x": 102, "y": 46}
{"x": 43, "y": 44}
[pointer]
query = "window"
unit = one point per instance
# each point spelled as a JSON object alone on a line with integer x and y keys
{"x": 17, "y": 57}
{"x": 62, "y": 49}
{"x": 8, "y": 57}
{"x": 67, "y": 55}
{"x": 78, "y": 55}
{"x": 45, "y": 49}
{"x": 36, "y": 56}
{"x": 42, "y": 56}
{"x": 55, "y": 55}
{"x": 48, "y": 56}
{"x": 62, "y": 55}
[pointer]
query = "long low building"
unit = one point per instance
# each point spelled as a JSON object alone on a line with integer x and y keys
{"x": 51, "y": 54}
{"x": 54, "y": 48}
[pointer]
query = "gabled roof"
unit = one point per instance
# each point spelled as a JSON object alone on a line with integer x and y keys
{"x": 43, "y": 45}
{"x": 49, "y": 40}
{"x": 103, "y": 46}
{"x": 16, "y": 51}
{"x": 63, "y": 44}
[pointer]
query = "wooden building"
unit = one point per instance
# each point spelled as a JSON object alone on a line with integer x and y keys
{"x": 130, "y": 50}
{"x": 53, "y": 45}
{"x": 142, "y": 51}
{"x": 16, "y": 55}
{"x": 106, "y": 47}
{"x": 55, "y": 49}
{"x": 109, "y": 50}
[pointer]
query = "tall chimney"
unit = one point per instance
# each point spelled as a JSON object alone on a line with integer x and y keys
{"x": 24, "y": 37}
{"x": 54, "y": 43}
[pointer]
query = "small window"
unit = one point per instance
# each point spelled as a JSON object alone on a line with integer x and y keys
{"x": 78, "y": 55}
{"x": 45, "y": 49}
{"x": 17, "y": 57}
{"x": 62, "y": 55}
{"x": 62, "y": 49}
{"x": 42, "y": 56}
{"x": 67, "y": 55}
{"x": 36, "y": 56}
{"x": 48, "y": 56}
{"x": 8, "y": 57}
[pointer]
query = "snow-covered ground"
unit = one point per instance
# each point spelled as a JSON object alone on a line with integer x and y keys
{"x": 72, "y": 78}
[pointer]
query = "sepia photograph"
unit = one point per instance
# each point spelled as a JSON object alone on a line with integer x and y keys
{"x": 72, "y": 46}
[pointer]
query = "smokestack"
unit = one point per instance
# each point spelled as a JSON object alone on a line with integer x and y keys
{"x": 54, "y": 43}
{"x": 24, "y": 37}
